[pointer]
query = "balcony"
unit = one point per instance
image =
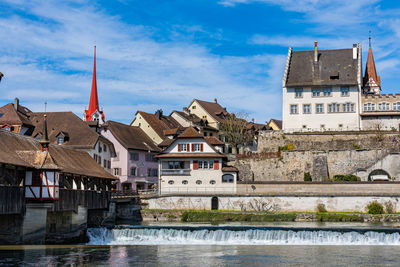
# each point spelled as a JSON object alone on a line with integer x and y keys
{"x": 175, "y": 172}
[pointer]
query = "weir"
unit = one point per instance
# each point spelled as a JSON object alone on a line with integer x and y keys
{"x": 242, "y": 236}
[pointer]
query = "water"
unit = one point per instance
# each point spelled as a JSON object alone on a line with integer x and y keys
{"x": 205, "y": 245}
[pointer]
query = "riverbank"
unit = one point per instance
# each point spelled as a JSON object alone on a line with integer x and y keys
{"x": 152, "y": 215}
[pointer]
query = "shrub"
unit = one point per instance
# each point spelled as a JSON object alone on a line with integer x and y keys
{"x": 389, "y": 207}
{"x": 375, "y": 208}
{"x": 321, "y": 208}
{"x": 356, "y": 146}
{"x": 346, "y": 178}
{"x": 307, "y": 177}
{"x": 286, "y": 147}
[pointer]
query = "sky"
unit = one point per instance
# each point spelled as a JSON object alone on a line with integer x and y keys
{"x": 158, "y": 54}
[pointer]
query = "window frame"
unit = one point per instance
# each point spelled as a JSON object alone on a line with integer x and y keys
{"x": 295, "y": 107}
{"x": 304, "y": 108}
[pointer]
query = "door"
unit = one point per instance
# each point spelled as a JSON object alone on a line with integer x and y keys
{"x": 214, "y": 203}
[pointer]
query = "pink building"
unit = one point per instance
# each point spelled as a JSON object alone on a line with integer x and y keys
{"x": 135, "y": 163}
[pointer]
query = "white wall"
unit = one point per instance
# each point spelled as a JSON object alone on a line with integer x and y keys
{"x": 313, "y": 121}
{"x": 384, "y": 122}
{"x": 174, "y": 147}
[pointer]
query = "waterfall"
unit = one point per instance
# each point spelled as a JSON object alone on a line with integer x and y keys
{"x": 168, "y": 236}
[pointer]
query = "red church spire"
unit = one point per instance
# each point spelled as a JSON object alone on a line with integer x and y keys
{"x": 372, "y": 82}
{"x": 94, "y": 113}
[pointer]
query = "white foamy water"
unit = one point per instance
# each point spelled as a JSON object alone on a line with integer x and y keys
{"x": 143, "y": 236}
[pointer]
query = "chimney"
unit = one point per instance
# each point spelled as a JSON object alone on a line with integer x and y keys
{"x": 16, "y": 103}
{"x": 354, "y": 51}
{"x": 215, "y": 100}
{"x": 159, "y": 113}
{"x": 315, "y": 51}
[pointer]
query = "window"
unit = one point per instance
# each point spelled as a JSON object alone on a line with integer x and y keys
{"x": 344, "y": 91}
{"x": 304, "y": 126}
{"x": 396, "y": 106}
{"x": 105, "y": 148}
{"x": 227, "y": 178}
{"x": 109, "y": 164}
{"x": 99, "y": 148}
{"x": 211, "y": 164}
{"x": 319, "y": 108}
{"x": 95, "y": 157}
{"x": 316, "y": 92}
{"x": 193, "y": 107}
{"x": 212, "y": 182}
{"x": 383, "y": 106}
{"x": 199, "y": 182}
{"x": 60, "y": 140}
{"x": 155, "y": 172}
{"x": 150, "y": 157}
{"x": 327, "y": 91}
{"x": 117, "y": 171}
{"x": 105, "y": 163}
{"x": 183, "y": 147}
{"x": 306, "y": 108}
{"x": 133, "y": 171}
{"x": 196, "y": 147}
{"x": 333, "y": 108}
{"x": 171, "y": 182}
{"x": 184, "y": 182}
{"x": 298, "y": 92}
{"x": 149, "y": 172}
{"x": 322, "y": 126}
{"x": 205, "y": 164}
{"x": 99, "y": 160}
{"x": 176, "y": 165}
{"x": 340, "y": 125}
{"x": 293, "y": 109}
{"x": 369, "y": 107}
{"x": 134, "y": 156}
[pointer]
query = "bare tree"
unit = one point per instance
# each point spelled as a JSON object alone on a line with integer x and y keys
{"x": 234, "y": 128}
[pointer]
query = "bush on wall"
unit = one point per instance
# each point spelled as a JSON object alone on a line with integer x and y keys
{"x": 307, "y": 177}
{"x": 375, "y": 208}
{"x": 346, "y": 178}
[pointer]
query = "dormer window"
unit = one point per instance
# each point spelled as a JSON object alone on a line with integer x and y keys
{"x": 60, "y": 140}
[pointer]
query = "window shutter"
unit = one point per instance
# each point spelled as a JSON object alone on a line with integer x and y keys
{"x": 188, "y": 147}
{"x": 201, "y": 147}
{"x": 193, "y": 148}
{"x": 179, "y": 147}
{"x": 216, "y": 165}
{"x": 195, "y": 165}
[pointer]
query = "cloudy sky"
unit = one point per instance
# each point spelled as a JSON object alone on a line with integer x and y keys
{"x": 161, "y": 54}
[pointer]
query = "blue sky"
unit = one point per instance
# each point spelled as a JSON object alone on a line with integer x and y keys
{"x": 161, "y": 54}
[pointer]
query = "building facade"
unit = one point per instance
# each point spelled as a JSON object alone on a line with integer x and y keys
{"x": 191, "y": 165}
{"x": 322, "y": 90}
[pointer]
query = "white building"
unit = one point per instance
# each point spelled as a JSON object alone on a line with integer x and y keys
{"x": 191, "y": 164}
{"x": 322, "y": 90}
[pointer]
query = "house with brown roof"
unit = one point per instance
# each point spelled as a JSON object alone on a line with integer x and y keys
{"x": 155, "y": 125}
{"x": 187, "y": 119}
{"x": 135, "y": 163}
{"x": 212, "y": 112}
{"x": 15, "y": 118}
{"x": 275, "y": 125}
{"x": 193, "y": 165}
{"x": 67, "y": 129}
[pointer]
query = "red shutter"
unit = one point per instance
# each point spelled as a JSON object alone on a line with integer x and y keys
{"x": 188, "y": 147}
{"x": 195, "y": 165}
{"x": 201, "y": 147}
{"x": 179, "y": 147}
{"x": 192, "y": 147}
{"x": 216, "y": 165}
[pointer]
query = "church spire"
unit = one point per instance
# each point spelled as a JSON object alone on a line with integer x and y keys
{"x": 93, "y": 113}
{"x": 372, "y": 82}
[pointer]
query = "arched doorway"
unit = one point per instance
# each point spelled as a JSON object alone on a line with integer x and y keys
{"x": 214, "y": 203}
{"x": 379, "y": 175}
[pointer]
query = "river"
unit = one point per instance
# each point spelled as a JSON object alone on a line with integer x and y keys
{"x": 224, "y": 245}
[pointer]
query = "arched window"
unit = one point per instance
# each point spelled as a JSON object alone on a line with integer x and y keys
{"x": 212, "y": 182}
{"x": 184, "y": 182}
{"x": 378, "y": 175}
{"x": 171, "y": 182}
{"x": 227, "y": 178}
{"x": 199, "y": 182}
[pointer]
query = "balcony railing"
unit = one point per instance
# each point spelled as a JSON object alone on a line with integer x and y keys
{"x": 175, "y": 172}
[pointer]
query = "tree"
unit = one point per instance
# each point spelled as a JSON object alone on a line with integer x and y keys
{"x": 236, "y": 131}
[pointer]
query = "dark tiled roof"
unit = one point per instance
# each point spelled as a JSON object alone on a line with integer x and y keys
{"x": 190, "y": 132}
{"x": 79, "y": 133}
{"x": 12, "y": 116}
{"x": 166, "y": 142}
{"x": 24, "y": 151}
{"x": 131, "y": 137}
{"x": 229, "y": 169}
{"x": 159, "y": 124}
{"x": 277, "y": 123}
{"x": 214, "y": 109}
{"x": 190, "y": 117}
{"x": 191, "y": 155}
{"x": 338, "y": 62}
{"x": 214, "y": 141}
{"x": 171, "y": 131}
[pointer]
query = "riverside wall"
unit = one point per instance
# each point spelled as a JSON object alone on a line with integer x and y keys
{"x": 323, "y": 155}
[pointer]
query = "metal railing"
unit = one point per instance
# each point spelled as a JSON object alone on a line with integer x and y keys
{"x": 175, "y": 172}
{"x": 199, "y": 190}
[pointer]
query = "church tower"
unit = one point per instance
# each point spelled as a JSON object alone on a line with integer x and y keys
{"x": 93, "y": 113}
{"x": 371, "y": 82}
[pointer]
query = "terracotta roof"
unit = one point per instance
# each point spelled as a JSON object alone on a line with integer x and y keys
{"x": 79, "y": 133}
{"x": 190, "y": 132}
{"x": 337, "y": 62}
{"x": 191, "y": 155}
{"x": 370, "y": 70}
{"x": 24, "y": 151}
{"x": 131, "y": 137}
{"x": 11, "y": 116}
{"x": 214, "y": 109}
{"x": 214, "y": 141}
{"x": 159, "y": 124}
{"x": 190, "y": 117}
{"x": 229, "y": 169}
{"x": 171, "y": 131}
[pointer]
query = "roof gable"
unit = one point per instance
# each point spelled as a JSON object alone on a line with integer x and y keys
{"x": 215, "y": 110}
